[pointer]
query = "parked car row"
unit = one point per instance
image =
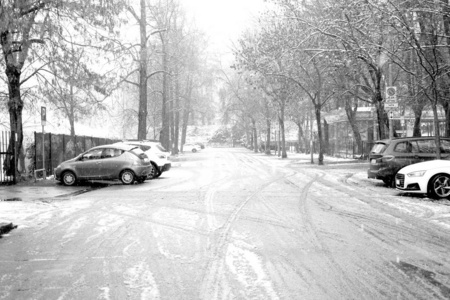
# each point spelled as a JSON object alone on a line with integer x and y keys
{"x": 411, "y": 165}
{"x": 127, "y": 161}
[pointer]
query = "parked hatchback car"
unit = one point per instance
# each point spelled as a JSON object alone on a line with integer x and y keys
{"x": 108, "y": 162}
{"x": 430, "y": 177}
{"x": 158, "y": 156}
{"x": 388, "y": 156}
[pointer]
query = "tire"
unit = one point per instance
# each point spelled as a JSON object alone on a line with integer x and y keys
{"x": 194, "y": 150}
{"x": 69, "y": 178}
{"x": 155, "y": 171}
{"x": 389, "y": 182}
{"x": 127, "y": 177}
{"x": 439, "y": 186}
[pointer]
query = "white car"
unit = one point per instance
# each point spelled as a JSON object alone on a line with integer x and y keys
{"x": 429, "y": 177}
{"x": 191, "y": 148}
{"x": 157, "y": 154}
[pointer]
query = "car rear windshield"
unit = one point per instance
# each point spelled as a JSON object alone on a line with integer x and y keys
{"x": 138, "y": 152}
{"x": 143, "y": 147}
{"x": 378, "y": 148}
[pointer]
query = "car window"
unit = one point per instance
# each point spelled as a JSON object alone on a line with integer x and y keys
{"x": 137, "y": 151}
{"x": 445, "y": 146}
{"x": 93, "y": 154}
{"x": 426, "y": 146}
{"x": 143, "y": 147}
{"x": 118, "y": 152}
{"x": 403, "y": 147}
{"x": 378, "y": 148}
{"x": 111, "y": 152}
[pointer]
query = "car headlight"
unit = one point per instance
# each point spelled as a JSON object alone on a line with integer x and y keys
{"x": 416, "y": 174}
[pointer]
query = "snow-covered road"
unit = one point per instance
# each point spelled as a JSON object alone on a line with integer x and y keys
{"x": 232, "y": 224}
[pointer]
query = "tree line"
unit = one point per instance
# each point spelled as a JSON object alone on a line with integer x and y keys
{"x": 305, "y": 58}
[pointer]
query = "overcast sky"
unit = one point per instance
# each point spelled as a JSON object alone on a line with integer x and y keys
{"x": 223, "y": 20}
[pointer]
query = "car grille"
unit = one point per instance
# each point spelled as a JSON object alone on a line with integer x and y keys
{"x": 400, "y": 180}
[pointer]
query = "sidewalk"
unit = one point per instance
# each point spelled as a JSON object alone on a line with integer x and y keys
{"x": 18, "y": 200}
{"x": 30, "y": 190}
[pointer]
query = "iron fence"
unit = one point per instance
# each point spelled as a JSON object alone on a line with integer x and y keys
{"x": 7, "y": 161}
{"x": 347, "y": 147}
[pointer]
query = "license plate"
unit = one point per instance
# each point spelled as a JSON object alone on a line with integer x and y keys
{"x": 397, "y": 182}
{"x": 373, "y": 161}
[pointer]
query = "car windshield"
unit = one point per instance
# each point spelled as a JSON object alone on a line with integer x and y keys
{"x": 378, "y": 148}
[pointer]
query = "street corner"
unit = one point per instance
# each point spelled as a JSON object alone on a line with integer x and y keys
{"x": 29, "y": 190}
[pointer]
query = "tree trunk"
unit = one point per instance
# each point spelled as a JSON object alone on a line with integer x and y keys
{"x": 319, "y": 132}
{"x": 142, "y": 113}
{"x": 186, "y": 112}
{"x": 267, "y": 150}
{"x": 15, "y": 108}
{"x": 164, "y": 137}
{"x": 326, "y": 139}
{"x": 176, "y": 124}
{"x": 255, "y": 136}
{"x": 283, "y": 136}
{"x": 300, "y": 137}
{"x": 417, "y": 131}
{"x": 351, "y": 116}
{"x": 436, "y": 120}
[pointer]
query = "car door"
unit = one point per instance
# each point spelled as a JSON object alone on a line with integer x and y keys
{"x": 445, "y": 148}
{"x": 111, "y": 163}
{"x": 405, "y": 152}
{"x": 427, "y": 149}
{"x": 89, "y": 164}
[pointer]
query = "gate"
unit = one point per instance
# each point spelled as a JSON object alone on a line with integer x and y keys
{"x": 7, "y": 168}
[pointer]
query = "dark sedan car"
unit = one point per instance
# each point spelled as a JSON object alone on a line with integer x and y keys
{"x": 108, "y": 162}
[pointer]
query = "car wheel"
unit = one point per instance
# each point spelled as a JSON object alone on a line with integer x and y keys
{"x": 194, "y": 150}
{"x": 127, "y": 177}
{"x": 69, "y": 178}
{"x": 155, "y": 173}
{"x": 389, "y": 182}
{"x": 440, "y": 186}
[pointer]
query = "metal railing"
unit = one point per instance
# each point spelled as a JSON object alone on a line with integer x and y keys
{"x": 7, "y": 161}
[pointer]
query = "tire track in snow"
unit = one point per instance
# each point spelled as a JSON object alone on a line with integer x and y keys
{"x": 345, "y": 282}
{"x": 216, "y": 265}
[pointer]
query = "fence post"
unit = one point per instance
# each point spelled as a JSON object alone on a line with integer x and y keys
{"x": 50, "y": 153}
{"x": 35, "y": 152}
